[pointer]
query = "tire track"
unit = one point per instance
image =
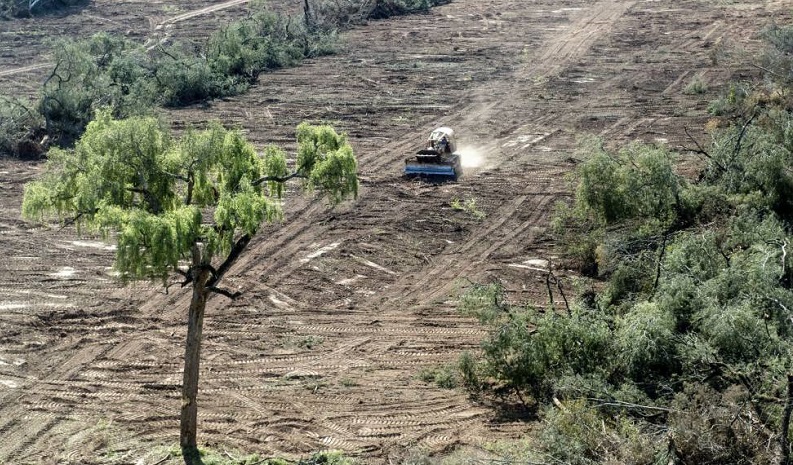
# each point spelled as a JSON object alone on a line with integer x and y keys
{"x": 161, "y": 25}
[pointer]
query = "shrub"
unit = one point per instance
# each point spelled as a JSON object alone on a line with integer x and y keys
{"x": 470, "y": 371}
{"x": 103, "y": 71}
{"x": 751, "y": 158}
{"x": 183, "y": 78}
{"x": 695, "y": 86}
{"x": 646, "y": 341}
{"x": 382, "y": 9}
{"x": 19, "y": 8}
{"x": 711, "y": 427}
{"x": 526, "y": 351}
{"x": 21, "y": 129}
{"x": 577, "y": 434}
{"x": 235, "y": 56}
{"x": 443, "y": 376}
{"x": 341, "y": 13}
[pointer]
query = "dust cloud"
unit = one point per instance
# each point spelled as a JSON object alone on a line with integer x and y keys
{"x": 471, "y": 157}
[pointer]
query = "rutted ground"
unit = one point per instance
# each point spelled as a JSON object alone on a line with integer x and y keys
{"x": 342, "y": 308}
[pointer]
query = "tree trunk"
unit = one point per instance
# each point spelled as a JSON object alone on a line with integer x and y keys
{"x": 783, "y": 436}
{"x": 192, "y": 356}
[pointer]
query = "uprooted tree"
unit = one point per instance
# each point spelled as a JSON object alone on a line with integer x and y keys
{"x": 186, "y": 206}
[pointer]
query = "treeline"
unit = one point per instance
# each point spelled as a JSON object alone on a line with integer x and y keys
{"x": 680, "y": 348}
{"x": 114, "y": 72}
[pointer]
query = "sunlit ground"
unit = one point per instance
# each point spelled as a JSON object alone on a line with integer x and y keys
{"x": 470, "y": 157}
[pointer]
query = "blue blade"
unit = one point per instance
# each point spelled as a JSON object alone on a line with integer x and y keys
{"x": 429, "y": 170}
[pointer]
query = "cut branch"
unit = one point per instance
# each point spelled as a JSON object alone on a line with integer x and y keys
{"x": 700, "y": 150}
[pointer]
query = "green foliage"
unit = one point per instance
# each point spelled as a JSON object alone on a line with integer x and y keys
{"x": 636, "y": 188}
{"x": 333, "y": 457}
{"x": 103, "y": 71}
{"x": 21, "y": 129}
{"x": 749, "y": 161}
{"x": 779, "y": 57}
{"x": 708, "y": 426}
{"x": 128, "y": 177}
{"x": 443, "y": 376}
{"x": 264, "y": 41}
{"x": 381, "y": 9}
{"x": 485, "y": 302}
{"x": 578, "y": 434}
{"x": 683, "y": 355}
{"x": 696, "y": 86}
{"x": 235, "y": 56}
{"x": 327, "y": 158}
{"x": 470, "y": 371}
{"x": 182, "y": 78}
{"x": 528, "y": 350}
{"x": 639, "y": 182}
{"x": 645, "y": 340}
{"x": 469, "y": 206}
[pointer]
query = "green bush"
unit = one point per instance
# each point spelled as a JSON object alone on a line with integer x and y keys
{"x": 695, "y": 86}
{"x": 21, "y": 129}
{"x": 235, "y": 56}
{"x": 750, "y": 158}
{"x": 638, "y": 182}
{"x": 684, "y": 353}
{"x": 646, "y": 341}
{"x": 183, "y": 78}
{"x": 382, "y": 9}
{"x": 103, "y": 71}
{"x": 264, "y": 41}
{"x": 333, "y": 14}
{"x": 577, "y": 434}
{"x": 470, "y": 371}
{"x": 526, "y": 351}
{"x": 443, "y": 376}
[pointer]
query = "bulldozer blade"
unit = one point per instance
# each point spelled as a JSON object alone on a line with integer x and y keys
{"x": 426, "y": 169}
{"x": 445, "y": 168}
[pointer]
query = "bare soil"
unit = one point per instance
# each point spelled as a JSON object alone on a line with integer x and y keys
{"x": 342, "y": 308}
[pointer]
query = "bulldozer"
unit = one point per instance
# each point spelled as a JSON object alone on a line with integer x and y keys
{"x": 438, "y": 159}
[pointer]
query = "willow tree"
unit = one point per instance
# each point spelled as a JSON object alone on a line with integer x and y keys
{"x": 185, "y": 207}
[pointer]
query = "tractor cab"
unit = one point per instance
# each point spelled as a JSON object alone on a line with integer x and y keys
{"x": 442, "y": 141}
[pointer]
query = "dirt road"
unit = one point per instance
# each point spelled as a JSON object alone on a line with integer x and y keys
{"x": 342, "y": 308}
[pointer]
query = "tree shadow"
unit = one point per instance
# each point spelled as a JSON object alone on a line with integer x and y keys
{"x": 507, "y": 407}
{"x": 191, "y": 456}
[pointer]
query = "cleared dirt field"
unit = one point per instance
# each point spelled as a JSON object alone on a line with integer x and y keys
{"x": 342, "y": 308}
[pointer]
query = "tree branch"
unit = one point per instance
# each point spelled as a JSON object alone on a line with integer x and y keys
{"x": 236, "y": 251}
{"x": 658, "y": 265}
{"x": 296, "y": 174}
{"x": 224, "y": 292}
{"x": 176, "y": 176}
{"x": 785, "y": 430}
{"x": 743, "y": 132}
{"x": 699, "y": 149}
{"x": 76, "y": 218}
{"x": 151, "y": 200}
